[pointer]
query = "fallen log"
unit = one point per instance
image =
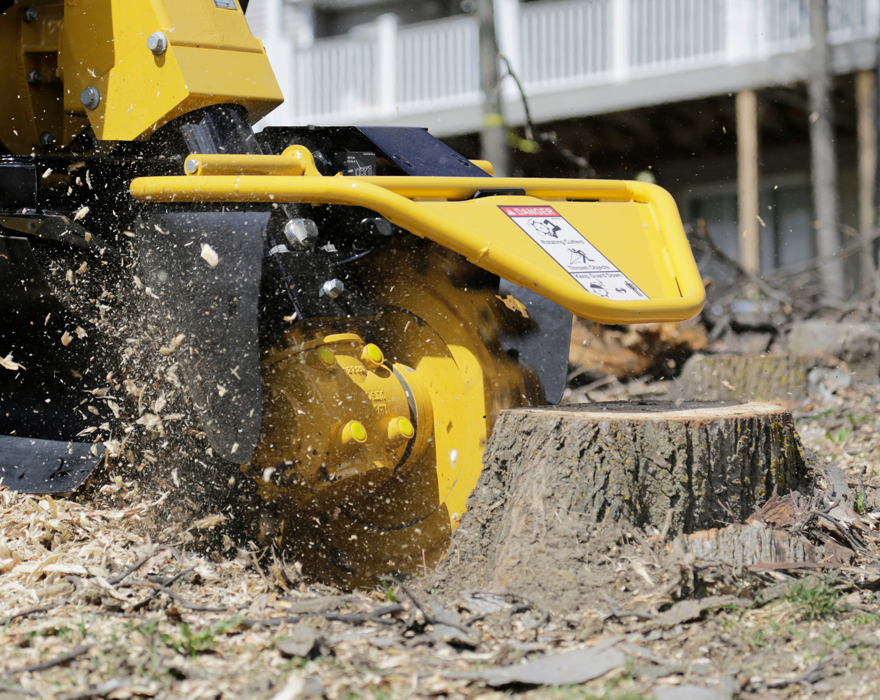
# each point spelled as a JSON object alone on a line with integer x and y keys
{"x": 627, "y": 352}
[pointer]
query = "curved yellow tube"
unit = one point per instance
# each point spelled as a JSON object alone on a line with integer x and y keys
{"x": 478, "y": 230}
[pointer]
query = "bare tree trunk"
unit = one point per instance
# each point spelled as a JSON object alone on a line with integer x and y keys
{"x": 824, "y": 159}
{"x": 866, "y": 87}
{"x": 747, "y": 180}
{"x": 493, "y": 137}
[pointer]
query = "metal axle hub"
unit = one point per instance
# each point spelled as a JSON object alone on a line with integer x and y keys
{"x": 338, "y": 419}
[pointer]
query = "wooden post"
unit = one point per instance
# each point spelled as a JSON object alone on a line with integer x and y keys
{"x": 386, "y": 65}
{"x": 620, "y": 38}
{"x": 824, "y": 158}
{"x": 747, "y": 180}
{"x": 866, "y": 103}
{"x": 493, "y": 136}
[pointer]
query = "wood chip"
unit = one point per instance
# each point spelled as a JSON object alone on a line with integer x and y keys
{"x": 209, "y": 255}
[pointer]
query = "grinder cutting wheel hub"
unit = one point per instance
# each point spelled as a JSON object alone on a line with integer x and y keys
{"x": 338, "y": 420}
{"x": 367, "y": 461}
{"x": 338, "y": 312}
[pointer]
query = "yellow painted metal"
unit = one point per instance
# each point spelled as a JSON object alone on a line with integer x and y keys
{"x": 212, "y": 58}
{"x": 635, "y": 225}
{"x": 295, "y": 160}
{"x": 485, "y": 166}
{"x": 29, "y": 109}
{"x": 353, "y": 505}
{"x": 326, "y": 420}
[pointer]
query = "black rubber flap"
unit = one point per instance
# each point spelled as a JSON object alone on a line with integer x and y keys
{"x": 50, "y": 416}
{"x": 204, "y": 267}
{"x": 544, "y": 346}
{"x": 420, "y": 154}
{"x": 31, "y": 465}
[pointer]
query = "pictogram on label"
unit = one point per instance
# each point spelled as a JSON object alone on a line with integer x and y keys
{"x": 576, "y": 255}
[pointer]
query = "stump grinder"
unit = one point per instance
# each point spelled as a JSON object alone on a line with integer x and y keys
{"x": 326, "y": 319}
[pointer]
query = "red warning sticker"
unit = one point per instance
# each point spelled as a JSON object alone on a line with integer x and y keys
{"x": 529, "y": 211}
{"x": 574, "y": 253}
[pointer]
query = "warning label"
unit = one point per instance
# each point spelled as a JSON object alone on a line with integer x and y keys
{"x": 576, "y": 255}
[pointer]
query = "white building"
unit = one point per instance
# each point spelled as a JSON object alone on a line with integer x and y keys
{"x": 634, "y": 85}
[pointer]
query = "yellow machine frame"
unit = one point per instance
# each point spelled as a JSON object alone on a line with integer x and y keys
{"x": 635, "y": 225}
{"x": 209, "y": 57}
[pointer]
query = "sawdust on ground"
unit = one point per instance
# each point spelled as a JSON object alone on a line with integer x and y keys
{"x": 100, "y": 598}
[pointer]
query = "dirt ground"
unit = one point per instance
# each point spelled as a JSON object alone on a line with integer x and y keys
{"x": 98, "y": 600}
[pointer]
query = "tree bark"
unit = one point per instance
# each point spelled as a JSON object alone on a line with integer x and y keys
{"x": 747, "y": 180}
{"x": 562, "y": 487}
{"x": 493, "y": 136}
{"x": 824, "y": 158}
{"x": 866, "y": 99}
{"x": 746, "y": 377}
{"x": 707, "y": 463}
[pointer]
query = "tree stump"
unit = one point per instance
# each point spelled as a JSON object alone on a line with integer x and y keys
{"x": 552, "y": 475}
{"x": 746, "y": 377}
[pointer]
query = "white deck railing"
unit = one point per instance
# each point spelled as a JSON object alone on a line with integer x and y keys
{"x": 421, "y": 87}
{"x": 579, "y": 33}
{"x": 556, "y": 44}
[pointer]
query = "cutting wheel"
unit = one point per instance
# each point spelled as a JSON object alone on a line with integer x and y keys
{"x": 375, "y": 428}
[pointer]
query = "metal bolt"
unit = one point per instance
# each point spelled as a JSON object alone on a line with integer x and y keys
{"x": 372, "y": 356}
{"x": 377, "y": 225}
{"x": 29, "y": 15}
{"x": 34, "y": 77}
{"x": 157, "y": 42}
{"x": 400, "y": 430}
{"x": 327, "y": 356}
{"x": 354, "y": 432}
{"x": 90, "y": 97}
{"x": 333, "y": 288}
{"x": 301, "y": 233}
{"x": 47, "y": 140}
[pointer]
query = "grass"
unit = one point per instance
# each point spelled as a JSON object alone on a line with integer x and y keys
{"x": 867, "y": 618}
{"x": 813, "y": 599}
{"x": 757, "y": 639}
{"x": 839, "y": 437}
{"x": 190, "y": 643}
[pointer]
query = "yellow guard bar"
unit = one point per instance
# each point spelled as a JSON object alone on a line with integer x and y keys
{"x": 631, "y": 230}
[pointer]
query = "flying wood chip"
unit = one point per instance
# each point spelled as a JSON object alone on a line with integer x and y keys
{"x": 7, "y": 363}
{"x": 210, "y": 255}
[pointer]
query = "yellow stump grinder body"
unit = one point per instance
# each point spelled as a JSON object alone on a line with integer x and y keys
{"x": 330, "y": 317}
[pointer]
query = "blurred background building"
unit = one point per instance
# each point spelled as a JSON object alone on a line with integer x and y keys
{"x": 710, "y": 98}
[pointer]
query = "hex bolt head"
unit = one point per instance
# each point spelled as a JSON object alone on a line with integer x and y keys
{"x": 157, "y": 42}
{"x": 47, "y": 140}
{"x": 34, "y": 77}
{"x": 29, "y": 15}
{"x": 333, "y": 288}
{"x": 90, "y": 97}
{"x": 301, "y": 233}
